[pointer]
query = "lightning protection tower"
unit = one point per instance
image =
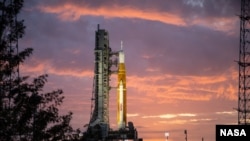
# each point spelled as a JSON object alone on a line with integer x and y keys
{"x": 244, "y": 65}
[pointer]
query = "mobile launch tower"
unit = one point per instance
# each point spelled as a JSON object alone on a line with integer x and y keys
{"x": 99, "y": 127}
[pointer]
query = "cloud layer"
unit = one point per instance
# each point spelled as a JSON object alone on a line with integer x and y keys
{"x": 179, "y": 55}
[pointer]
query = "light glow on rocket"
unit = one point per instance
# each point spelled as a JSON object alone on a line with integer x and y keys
{"x": 121, "y": 92}
{"x": 121, "y": 102}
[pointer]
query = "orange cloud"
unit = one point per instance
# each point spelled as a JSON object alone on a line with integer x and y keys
{"x": 170, "y": 116}
{"x": 158, "y": 88}
{"x": 72, "y": 12}
{"x": 132, "y": 115}
{"x": 175, "y": 121}
{"x": 46, "y": 67}
{"x": 166, "y": 116}
{"x": 227, "y": 112}
{"x": 169, "y": 88}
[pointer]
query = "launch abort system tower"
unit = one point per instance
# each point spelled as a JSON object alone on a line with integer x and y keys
{"x": 99, "y": 126}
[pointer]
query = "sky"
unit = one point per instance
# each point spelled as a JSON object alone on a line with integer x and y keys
{"x": 180, "y": 57}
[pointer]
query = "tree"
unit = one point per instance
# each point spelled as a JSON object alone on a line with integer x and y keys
{"x": 26, "y": 111}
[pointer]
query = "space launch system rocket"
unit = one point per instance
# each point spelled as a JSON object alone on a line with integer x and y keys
{"x": 121, "y": 91}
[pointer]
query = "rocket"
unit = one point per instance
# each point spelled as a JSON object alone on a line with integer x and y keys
{"x": 121, "y": 92}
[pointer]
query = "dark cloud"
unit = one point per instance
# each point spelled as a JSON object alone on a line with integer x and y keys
{"x": 64, "y": 44}
{"x": 175, "y": 50}
{"x": 209, "y": 8}
{"x": 194, "y": 51}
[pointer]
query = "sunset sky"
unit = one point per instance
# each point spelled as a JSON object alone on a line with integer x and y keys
{"x": 180, "y": 58}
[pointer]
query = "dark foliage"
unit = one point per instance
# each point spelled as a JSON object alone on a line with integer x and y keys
{"x": 26, "y": 112}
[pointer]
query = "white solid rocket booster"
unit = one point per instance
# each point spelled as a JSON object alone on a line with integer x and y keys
{"x": 121, "y": 92}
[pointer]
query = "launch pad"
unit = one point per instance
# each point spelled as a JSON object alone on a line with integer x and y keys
{"x": 99, "y": 127}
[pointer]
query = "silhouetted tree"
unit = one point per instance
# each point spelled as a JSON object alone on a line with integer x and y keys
{"x": 26, "y": 111}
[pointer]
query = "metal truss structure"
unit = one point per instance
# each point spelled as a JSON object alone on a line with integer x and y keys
{"x": 244, "y": 65}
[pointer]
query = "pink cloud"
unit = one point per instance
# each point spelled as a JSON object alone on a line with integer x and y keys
{"x": 171, "y": 88}
{"x": 72, "y": 12}
{"x": 46, "y": 67}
